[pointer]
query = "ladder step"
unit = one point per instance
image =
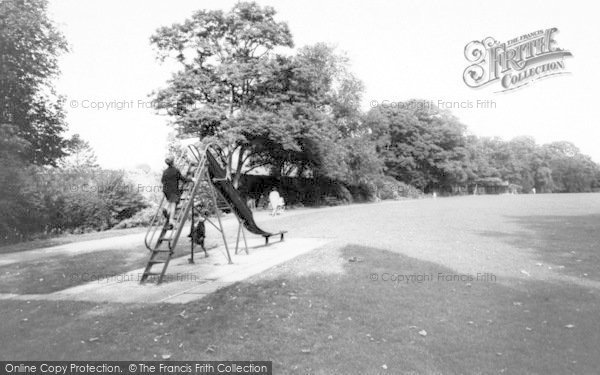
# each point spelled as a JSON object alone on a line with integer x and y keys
{"x": 197, "y": 172}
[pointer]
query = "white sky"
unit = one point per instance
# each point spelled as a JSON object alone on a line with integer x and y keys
{"x": 400, "y": 49}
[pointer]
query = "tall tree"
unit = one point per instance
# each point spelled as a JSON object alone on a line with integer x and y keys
{"x": 421, "y": 144}
{"x": 29, "y": 46}
{"x": 264, "y": 109}
{"x": 317, "y": 102}
{"x": 80, "y": 155}
{"x": 223, "y": 56}
{"x": 572, "y": 172}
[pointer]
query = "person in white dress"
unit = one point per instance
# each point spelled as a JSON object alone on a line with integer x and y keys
{"x": 274, "y": 199}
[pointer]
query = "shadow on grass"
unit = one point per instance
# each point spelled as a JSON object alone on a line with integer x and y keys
{"x": 60, "y": 272}
{"x": 52, "y": 274}
{"x": 338, "y": 322}
{"x": 568, "y": 244}
{"x": 67, "y": 239}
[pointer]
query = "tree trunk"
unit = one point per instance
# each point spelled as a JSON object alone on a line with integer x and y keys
{"x": 238, "y": 169}
{"x": 235, "y": 181}
{"x": 231, "y": 100}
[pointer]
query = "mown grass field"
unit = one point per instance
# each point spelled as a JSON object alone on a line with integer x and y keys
{"x": 324, "y": 314}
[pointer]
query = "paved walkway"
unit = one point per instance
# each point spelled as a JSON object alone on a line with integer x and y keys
{"x": 184, "y": 282}
{"x": 128, "y": 241}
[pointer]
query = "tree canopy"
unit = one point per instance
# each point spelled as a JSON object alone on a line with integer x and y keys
{"x": 432, "y": 150}
{"x": 29, "y": 46}
{"x": 298, "y": 113}
{"x": 285, "y": 113}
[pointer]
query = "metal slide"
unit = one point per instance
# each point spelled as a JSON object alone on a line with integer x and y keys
{"x": 229, "y": 193}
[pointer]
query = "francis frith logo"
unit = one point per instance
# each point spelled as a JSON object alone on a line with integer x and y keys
{"x": 514, "y": 63}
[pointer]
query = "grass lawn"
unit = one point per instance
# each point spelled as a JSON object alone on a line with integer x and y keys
{"x": 322, "y": 314}
{"x": 67, "y": 239}
{"x": 332, "y": 322}
{"x": 568, "y": 242}
{"x": 51, "y": 274}
{"x": 60, "y": 272}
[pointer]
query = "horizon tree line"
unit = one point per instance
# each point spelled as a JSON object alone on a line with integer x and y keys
{"x": 241, "y": 85}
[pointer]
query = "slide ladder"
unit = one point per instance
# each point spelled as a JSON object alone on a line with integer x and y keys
{"x": 206, "y": 173}
{"x": 160, "y": 238}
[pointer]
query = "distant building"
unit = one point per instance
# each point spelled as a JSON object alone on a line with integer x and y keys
{"x": 495, "y": 185}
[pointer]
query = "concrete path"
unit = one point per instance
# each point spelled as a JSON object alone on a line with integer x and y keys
{"x": 82, "y": 247}
{"x": 184, "y": 282}
{"x": 129, "y": 241}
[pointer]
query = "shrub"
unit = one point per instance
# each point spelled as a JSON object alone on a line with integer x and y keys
{"x": 363, "y": 192}
{"x": 390, "y": 188}
{"x": 344, "y": 194}
{"x": 408, "y": 191}
{"x": 42, "y": 201}
{"x": 140, "y": 219}
{"x": 312, "y": 191}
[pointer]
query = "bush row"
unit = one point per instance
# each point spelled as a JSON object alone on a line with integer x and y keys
{"x": 37, "y": 201}
{"x": 314, "y": 192}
